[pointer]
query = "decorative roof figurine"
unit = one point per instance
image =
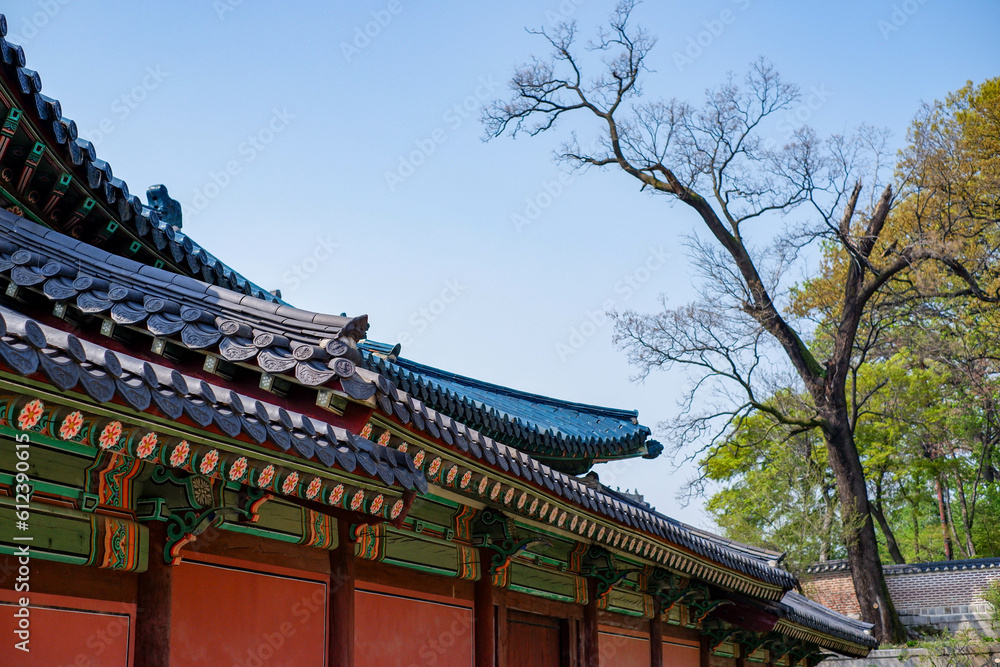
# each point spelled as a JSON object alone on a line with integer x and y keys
{"x": 168, "y": 209}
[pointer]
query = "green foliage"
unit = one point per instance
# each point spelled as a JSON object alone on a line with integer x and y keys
{"x": 779, "y": 492}
{"x": 992, "y": 597}
{"x": 962, "y": 649}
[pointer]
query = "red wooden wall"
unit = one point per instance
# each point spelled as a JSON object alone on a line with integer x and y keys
{"x": 400, "y": 627}
{"x": 68, "y": 631}
{"x": 535, "y": 640}
{"x": 623, "y": 647}
{"x": 223, "y": 615}
{"x": 681, "y": 653}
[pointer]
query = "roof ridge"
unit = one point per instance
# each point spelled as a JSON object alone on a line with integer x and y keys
{"x": 171, "y": 393}
{"x": 413, "y": 366}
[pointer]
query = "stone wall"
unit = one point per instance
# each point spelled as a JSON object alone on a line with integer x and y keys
{"x": 946, "y": 594}
{"x": 973, "y": 656}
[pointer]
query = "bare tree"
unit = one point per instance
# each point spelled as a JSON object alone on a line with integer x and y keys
{"x": 715, "y": 160}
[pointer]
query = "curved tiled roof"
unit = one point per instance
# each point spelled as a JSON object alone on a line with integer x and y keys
{"x": 132, "y": 294}
{"x": 841, "y": 565}
{"x": 69, "y": 363}
{"x": 541, "y": 425}
{"x": 60, "y": 134}
{"x": 280, "y": 339}
{"x": 800, "y": 609}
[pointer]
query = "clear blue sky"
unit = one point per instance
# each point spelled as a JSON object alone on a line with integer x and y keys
{"x": 275, "y": 125}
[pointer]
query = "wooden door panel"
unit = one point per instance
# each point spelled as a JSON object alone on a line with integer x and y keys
{"x": 68, "y": 631}
{"x": 229, "y": 616}
{"x": 533, "y": 640}
{"x": 681, "y": 655}
{"x": 402, "y": 629}
{"x": 619, "y": 650}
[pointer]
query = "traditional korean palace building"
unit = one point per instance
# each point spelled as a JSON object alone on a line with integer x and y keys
{"x": 193, "y": 472}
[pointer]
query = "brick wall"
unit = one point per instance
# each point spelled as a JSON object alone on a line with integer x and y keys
{"x": 912, "y": 587}
{"x": 940, "y": 589}
{"x": 834, "y": 590}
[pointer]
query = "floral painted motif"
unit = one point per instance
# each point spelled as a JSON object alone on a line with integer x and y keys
{"x": 238, "y": 469}
{"x": 483, "y": 483}
{"x": 336, "y": 495}
{"x": 207, "y": 465}
{"x": 30, "y": 414}
{"x": 534, "y": 505}
{"x": 110, "y": 435}
{"x": 397, "y": 509}
{"x": 495, "y": 491}
{"x": 583, "y": 527}
{"x": 590, "y": 531}
{"x": 265, "y": 477}
{"x": 402, "y": 446}
{"x": 600, "y": 533}
{"x": 562, "y": 520}
{"x": 434, "y": 467}
{"x": 418, "y": 460}
{"x": 508, "y": 497}
{"x": 452, "y": 473}
{"x": 521, "y": 500}
{"x": 179, "y": 456}
{"x": 376, "y": 504}
{"x": 384, "y": 439}
{"x": 366, "y": 431}
{"x": 290, "y": 483}
{"x": 545, "y": 510}
{"x": 358, "y": 498}
{"x": 71, "y": 425}
{"x": 313, "y": 489}
{"x": 553, "y": 514}
{"x": 146, "y": 446}
{"x": 572, "y": 524}
{"x": 202, "y": 489}
{"x": 466, "y": 479}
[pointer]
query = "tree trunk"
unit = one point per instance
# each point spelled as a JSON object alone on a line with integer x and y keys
{"x": 951, "y": 518}
{"x": 948, "y": 554}
{"x": 859, "y": 532}
{"x": 970, "y": 549}
{"x": 890, "y": 538}
{"x": 916, "y": 528}
{"x": 824, "y": 538}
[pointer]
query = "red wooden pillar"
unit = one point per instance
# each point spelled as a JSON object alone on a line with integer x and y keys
{"x": 656, "y": 637}
{"x": 741, "y": 660}
{"x": 154, "y": 599}
{"x": 591, "y": 649}
{"x": 485, "y": 617}
{"x": 706, "y": 651}
{"x": 341, "y": 598}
